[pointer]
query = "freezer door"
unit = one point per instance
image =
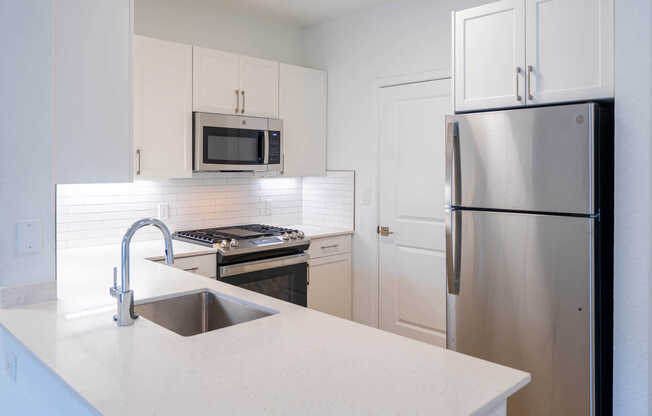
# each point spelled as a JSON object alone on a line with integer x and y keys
{"x": 524, "y": 300}
{"x": 530, "y": 159}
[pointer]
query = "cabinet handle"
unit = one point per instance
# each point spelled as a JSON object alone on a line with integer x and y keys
{"x": 243, "y": 102}
{"x": 237, "y": 105}
{"x": 331, "y": 246}
{"x": 191, "y": 269}
{"x": 530, "y": 69}
{"x": 516, "y": 76}
{"x": 137, "y": 161}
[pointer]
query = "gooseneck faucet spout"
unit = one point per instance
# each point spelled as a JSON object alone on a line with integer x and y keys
{"x": 123, "y": 293}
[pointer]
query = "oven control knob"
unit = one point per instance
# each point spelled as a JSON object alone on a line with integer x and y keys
{"x": 224, "y": 244}
{"x": 285, "y": 236}
{"x": 293, "y": 235}
{"x": 235, "y": 243}
{"x": 300, "y": 235}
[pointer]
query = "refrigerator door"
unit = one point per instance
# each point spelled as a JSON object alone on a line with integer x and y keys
{"x": 530, "y": 159}
{"x": 524, "y": 300}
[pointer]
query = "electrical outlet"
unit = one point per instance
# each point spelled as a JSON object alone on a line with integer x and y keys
{"x": 268, "y": 207}
{"x": 163, "y": 211}
{"x": 28, "y": 236}
{"x": 11, "y": 366}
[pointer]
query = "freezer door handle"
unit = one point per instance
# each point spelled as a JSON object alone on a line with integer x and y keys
{"x": 453, "y": 250}
{"x": 453, "y": 185}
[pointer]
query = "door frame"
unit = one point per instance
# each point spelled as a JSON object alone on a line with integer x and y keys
{"x": 379, "y": 84}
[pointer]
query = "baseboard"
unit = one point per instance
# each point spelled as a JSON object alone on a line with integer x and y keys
{"x": 27, "y": 294}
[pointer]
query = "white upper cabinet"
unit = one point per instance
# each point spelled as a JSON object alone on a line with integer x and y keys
{"x": 216, "y": 81}
{"x": 258, "y": 87}
{"x": 302, "y": 107}
{"x": 93, "y": 91}
{"x": 526, "y": 52}
{"x": 489, "y": 56}
{"x": 227, "y": 83}
{"x": 569, "y": 49}
{"x": 162, "y": 108}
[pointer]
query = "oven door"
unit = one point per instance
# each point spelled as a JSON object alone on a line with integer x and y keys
{"x": 230, "y": 143}
{"x": 284, "y": 278}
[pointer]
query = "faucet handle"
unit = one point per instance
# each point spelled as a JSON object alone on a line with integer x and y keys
{"x": 114, "y": 290}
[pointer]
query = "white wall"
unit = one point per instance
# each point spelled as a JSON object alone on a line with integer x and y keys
{"x": 397, "y": 38}
{"x": 632, "y": 207}
{"x": 210, "y": 24}
{"x": 26, "y": 138}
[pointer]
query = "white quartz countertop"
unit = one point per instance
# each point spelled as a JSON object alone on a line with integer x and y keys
{"x": 319, "y": 231}
{"x": 298, "y": 361}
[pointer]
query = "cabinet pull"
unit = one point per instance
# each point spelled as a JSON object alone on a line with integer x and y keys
{"x": 518, "y": 72}
{"x": 237, "y": 105}
{"x": 331, "y": 246}
{"x": 191, "y": 269}
{"x": 243, "y": 102}
{"x": 530, "y": 69}
{"x": 137, "y": 161}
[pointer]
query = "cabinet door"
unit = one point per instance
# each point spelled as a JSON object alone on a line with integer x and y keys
{"x": 92, "y": 90}
{"x": 216, "y": 79}
{"x": 162, "y": 108}
{"x": 570, "y": 49}
{"x": 329, "y": 290}
{"x": 489, "y": 56}
{"x": 258, "y": 87}
{"x": 302, "y": 107}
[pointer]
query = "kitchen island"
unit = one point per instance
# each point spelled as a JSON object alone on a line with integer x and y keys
{"x": 297, "y": 361}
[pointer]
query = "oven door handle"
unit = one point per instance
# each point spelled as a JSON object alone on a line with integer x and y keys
{"x": 254, "y": 266}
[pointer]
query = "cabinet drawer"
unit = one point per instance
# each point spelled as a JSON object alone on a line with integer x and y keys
{"x": 205, "y": 265}
{"x": 329, "y": 246}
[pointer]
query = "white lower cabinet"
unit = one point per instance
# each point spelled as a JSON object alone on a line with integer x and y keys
{"x": 329, "y": 276}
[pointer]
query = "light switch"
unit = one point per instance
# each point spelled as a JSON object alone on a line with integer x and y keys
{"x": 28, "y": 236}
{"x": 163, "y": 211}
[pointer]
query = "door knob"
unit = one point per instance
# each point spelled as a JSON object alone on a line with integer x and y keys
{"x": 384, "y": 231}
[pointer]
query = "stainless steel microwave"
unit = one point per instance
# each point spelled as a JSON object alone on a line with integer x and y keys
{"x": 225, "y": 143}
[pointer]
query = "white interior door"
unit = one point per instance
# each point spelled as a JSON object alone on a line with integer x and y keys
{"x": 412, "y": 274}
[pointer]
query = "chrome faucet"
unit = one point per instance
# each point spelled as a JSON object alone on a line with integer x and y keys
{"x": 123, "y": 293}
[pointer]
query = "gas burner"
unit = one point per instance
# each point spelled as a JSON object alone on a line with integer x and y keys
{"x": 241, "y": 239}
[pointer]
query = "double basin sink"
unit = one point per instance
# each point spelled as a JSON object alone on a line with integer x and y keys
{"x": 199, "y": 312}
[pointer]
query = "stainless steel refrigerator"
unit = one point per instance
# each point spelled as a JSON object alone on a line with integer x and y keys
{"x": 529, "y": 243}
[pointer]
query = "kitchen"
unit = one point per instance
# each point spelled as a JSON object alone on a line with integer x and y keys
{"x": 363, "y": 66}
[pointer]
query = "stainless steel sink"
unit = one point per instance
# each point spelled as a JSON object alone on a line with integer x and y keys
{"x": 198, "y": 312}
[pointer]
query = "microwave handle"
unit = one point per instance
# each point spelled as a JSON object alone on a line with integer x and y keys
{"x": 266, "y": 147}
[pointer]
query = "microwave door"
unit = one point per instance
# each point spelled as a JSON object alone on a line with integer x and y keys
{"x": 229, "y": 143}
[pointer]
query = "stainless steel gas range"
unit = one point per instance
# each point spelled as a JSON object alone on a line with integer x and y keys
{"x": 263, "y": 258}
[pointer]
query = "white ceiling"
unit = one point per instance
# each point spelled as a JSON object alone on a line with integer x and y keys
{"x": 301, "y": 12}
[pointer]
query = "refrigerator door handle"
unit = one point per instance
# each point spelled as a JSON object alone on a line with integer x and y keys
{"x": 453, "y": 185}
{"x": 453, "y": 250}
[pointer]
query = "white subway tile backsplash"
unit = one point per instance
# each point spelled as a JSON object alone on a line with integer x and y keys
{"x": 328, "y": 200}
{"x": 99, "y": 214}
